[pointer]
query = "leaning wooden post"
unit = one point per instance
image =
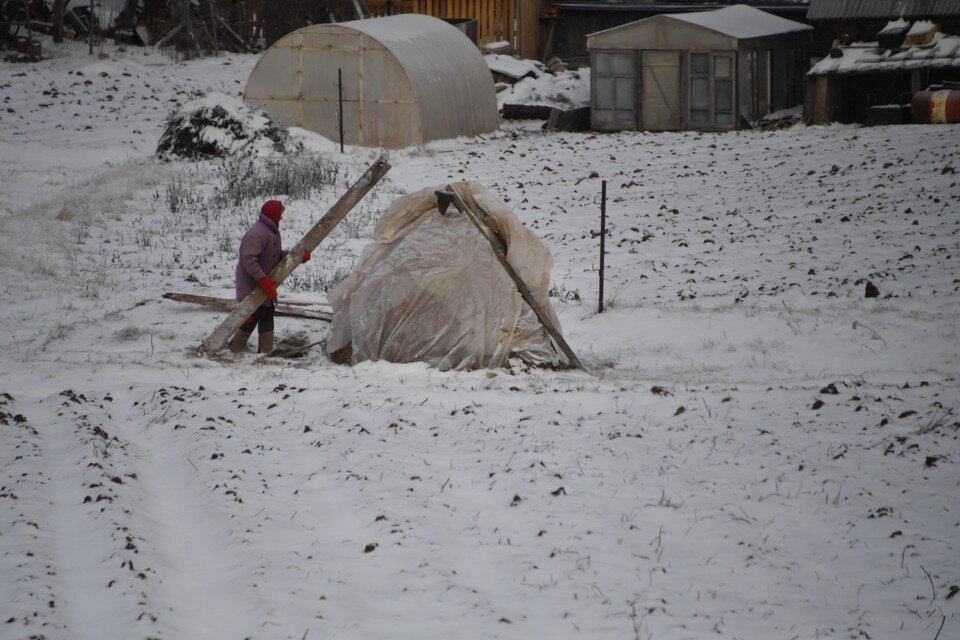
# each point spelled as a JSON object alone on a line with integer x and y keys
{"x": 497, "y": 245}
{"x": 216, "y": 340}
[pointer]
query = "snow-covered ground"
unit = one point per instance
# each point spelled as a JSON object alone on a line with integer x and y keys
{"x": 757, "y": 450}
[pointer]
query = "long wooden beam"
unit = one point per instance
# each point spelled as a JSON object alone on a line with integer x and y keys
{"x": 290, "y": 309}
{"x": 221, "y": 335}
{"x": 497, "y": 245}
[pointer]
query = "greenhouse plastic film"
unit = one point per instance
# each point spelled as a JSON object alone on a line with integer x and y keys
{"x": 429, "y": 289}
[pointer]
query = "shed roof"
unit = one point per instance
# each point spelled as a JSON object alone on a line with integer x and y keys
{"x": 866, "y": 58}
{"x": 845, "y": 9}
{"x": 742, "y": 22}
{"x": 738, "y": 21}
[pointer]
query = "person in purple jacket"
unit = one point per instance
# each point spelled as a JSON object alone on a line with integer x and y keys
{"x": 260, "y": 252}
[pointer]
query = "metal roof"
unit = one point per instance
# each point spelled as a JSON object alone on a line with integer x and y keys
{"x": 739, "y": 21}
{"x": 844, "y": 9}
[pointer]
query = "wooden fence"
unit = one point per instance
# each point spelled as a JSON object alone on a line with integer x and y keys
{"x": 513, "y": 21}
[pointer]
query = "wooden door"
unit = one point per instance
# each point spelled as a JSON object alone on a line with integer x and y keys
{"x": 660, "y": 108}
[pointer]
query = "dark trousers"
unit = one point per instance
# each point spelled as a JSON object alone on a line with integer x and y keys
{"x": 262, "y": 318}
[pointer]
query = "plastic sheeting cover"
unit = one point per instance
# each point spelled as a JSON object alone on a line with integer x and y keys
{"x": 430, "y": 289}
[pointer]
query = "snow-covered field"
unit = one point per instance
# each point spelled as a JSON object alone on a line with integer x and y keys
{"x": 757, "y": 450}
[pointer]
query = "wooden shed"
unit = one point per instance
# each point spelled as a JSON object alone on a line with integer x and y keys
{"x": 706, "y": 70}
{"x": 402, "y": 80}
{"x": 866, "y": 77}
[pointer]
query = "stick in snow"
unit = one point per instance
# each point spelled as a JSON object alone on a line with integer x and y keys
{"x": 216, "y": 340}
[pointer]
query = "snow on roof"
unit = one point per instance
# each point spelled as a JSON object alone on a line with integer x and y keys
{"x": 511, "y": 67}
{"x": 944, "y": 51}
{"x": 565, "y": 90}
{"x": 921, "y": 27}
{"x": 741, "y": 21}
{"x": 895, "y": 25}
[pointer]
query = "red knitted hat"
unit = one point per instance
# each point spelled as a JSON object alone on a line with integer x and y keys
{"x": 272, "y": 209}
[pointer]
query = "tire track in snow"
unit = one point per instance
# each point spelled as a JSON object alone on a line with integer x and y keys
{"x": 99, "y": 586}
{"x": 28, "y": 601}
{"x": 201, "y": 570}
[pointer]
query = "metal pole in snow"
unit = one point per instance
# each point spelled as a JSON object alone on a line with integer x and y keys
{"x": 340, "y": 103}
{"x": 603, "y": 235}
{"x": 90, "y": 25}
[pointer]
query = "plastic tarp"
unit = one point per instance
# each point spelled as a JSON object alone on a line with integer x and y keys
{"x": 429, "y": 289}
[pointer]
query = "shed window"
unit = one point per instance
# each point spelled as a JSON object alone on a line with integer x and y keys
{"x": 722, "y": 65}
{"x": 700, "y": 64}
{"x": 700, "y": 88}
{"x": 711, "y": 89}
{"x": 699, "y": 100}
{"x": 723, "y": 107}
{"x": 614, "y": 90}
{"x": 614, "y": 64}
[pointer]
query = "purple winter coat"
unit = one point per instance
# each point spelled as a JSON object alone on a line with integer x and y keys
{"x": 260, "y": 252}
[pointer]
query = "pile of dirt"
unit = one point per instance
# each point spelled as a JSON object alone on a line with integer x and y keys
{"x": 219, "y": 125}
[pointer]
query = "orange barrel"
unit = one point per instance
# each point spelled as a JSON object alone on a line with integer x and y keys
{"x": 936, "y": 107}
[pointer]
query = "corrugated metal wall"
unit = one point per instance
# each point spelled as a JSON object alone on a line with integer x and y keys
{"x": 845, "y": 9}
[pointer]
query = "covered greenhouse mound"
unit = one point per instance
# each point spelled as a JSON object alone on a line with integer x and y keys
{"x": 406, "y": 80}
{"x": 429, "y": 289}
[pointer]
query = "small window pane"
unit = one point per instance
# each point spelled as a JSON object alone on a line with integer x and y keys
{"x": 606, "y": 95}
{"x": 698, "y": 116}
{"x": 602, "y": 116}
{"x": 624, "y": 116}
{"x": 604, "y": 63}
{"x": 623, "y": 65}
{"x": 615, "y": 64}
{"x": 700, "y": 64}
{"x": 724, "y": 97}
{"x": 722, "y": 66}
{"x": 724, "y": 118}
{"x": 699, "y": 93}
{"x": 624, "y": 93}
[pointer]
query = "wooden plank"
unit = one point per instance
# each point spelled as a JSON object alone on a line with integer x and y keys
{"x": 530, "y": 38}
{"x": 289, "y": 353}
{"x": 216, "y": 340}
{"x": 500, "y": 251}
{"x": 284, "y": 309}
{"x": 482, "y": 23}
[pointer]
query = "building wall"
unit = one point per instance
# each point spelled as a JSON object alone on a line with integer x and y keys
{"x": 846, "y": 98}
{"x": 514, "y": 21}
